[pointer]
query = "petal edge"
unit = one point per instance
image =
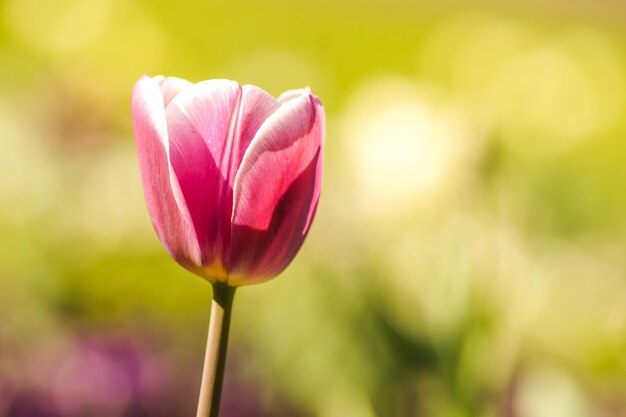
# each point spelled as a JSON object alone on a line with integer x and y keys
{"x": 168, "y": 217}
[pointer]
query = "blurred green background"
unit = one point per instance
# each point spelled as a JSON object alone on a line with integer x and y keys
{"x": 469, "y": 252}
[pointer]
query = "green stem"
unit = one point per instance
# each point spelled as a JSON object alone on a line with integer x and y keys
{"x": 215, "y": 356}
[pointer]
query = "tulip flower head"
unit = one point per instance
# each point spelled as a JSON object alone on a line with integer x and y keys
{"x": 231, "y": 176}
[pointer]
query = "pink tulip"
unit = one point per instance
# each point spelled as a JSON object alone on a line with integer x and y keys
{"x": 231, "y": 176}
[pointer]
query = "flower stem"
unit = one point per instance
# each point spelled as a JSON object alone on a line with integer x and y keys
{"x": 215, "y": 356}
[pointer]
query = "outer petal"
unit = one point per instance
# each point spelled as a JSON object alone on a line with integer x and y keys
{"x": 200, "y": 121}
{"x": 169, "y": 216}
{"x": 276, "y": 190}
{"x": 284, "y": 98}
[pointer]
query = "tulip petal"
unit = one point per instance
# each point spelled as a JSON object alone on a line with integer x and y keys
{"x": 291, "y": 94}
{"x": 276, "y": 190}
{"x": 168, "y": 214}
{"x": 284, "y": 98}
{"x": 257, "y": 255}
{"x": 256, "y": 106}
{"x": 171, "y": 86}
{"x": 200, "y": 121}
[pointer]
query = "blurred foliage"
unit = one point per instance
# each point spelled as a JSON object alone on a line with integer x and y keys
{"x": 468, "y": 257}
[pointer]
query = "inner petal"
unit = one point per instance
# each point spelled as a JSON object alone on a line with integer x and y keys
{"x": 255, "y": 107}
{"x": 200, "y": 120}
{"x": 211, "y": 125}
{"x": 171, "y": 86}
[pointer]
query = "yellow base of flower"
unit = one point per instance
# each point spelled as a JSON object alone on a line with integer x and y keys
{"x": 214, "y": 272}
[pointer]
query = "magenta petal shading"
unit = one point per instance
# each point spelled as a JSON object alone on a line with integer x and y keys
{"x": 168, "y": 212}
{"x": 200, "y": 122}
{"x": 276, "y": 190}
